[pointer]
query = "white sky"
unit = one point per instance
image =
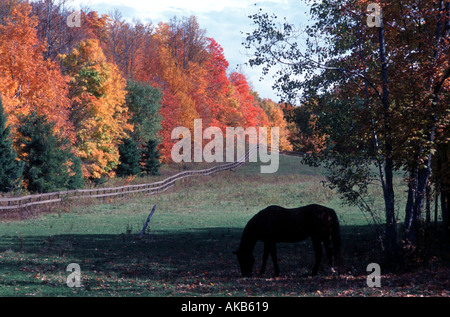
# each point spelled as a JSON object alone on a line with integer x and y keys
{"x": 223, "y": 20}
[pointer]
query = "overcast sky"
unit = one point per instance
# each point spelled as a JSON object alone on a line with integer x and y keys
{"x": 223, "y": 20}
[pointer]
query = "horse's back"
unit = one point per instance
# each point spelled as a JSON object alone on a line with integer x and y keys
{"x": 305, "y": 213}
{"x": 280, "y": 224}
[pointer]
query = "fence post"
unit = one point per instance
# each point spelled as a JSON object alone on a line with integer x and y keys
{"x": 146, "y": 222}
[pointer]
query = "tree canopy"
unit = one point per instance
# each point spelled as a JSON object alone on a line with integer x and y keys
{"x": 374, "y": 92}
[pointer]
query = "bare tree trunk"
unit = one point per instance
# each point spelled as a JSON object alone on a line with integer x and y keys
{"x": 389, "y": 199}
{"x": 436, "y": 207}
{"x": 428, "y": 205}
{"x": 409, "y": 207}
{"x": 445, "y": 207}
{"x": 424, "y": 172}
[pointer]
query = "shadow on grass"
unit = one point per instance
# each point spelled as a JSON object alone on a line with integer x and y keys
{"x": 193, "y": 250}
{"x": 182, "y": 260}
{"x": 192, "y": 262}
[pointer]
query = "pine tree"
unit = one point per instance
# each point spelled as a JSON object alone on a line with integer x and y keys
{"x": 129, "y": 158}
{"x": 49, "y": 163}
{"x": 144, "y": 104}
{"x": 150, "y": 158}
{"x": 76, "y": 179}
{"x": 10, "y": 168}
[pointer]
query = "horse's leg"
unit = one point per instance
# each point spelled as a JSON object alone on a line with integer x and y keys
{"x": 273, "y": 253}
{"x": 329, "y": 252}
{"x": 317, "y": 245}
{"x": 265, "y": 256}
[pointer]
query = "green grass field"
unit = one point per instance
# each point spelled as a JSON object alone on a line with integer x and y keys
{"x": 187, "y": 250}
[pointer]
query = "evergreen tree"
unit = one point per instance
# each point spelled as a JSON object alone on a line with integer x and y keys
{"x": 129, "y": 158}
{"x": 144, "y": 103}
{"x": 76, "y": 179}
{"x": 10, "y": 168}
{"x": 150, "y": 158}
{"x": 49, "y": 164}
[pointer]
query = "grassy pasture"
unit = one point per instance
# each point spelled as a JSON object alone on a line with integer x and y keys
{"x": 187, "y": 248}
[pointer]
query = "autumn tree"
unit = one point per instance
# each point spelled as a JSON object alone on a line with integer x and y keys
{"x": 303, "y": 131}
{"x": 124, "y": 43}
{"x": 99, "y": 113}
{"x": 52, "y": 28}
{"x": 392, "y": 75}
{"x": 27, "y": 81}
{"x": 6, "y": 7}
{"x": 178, "y": 64}
{"x": 218, "y": 91}
{"x": 252, "y": 115}
{"x": 191, "y": 72}
{"x": 173, "y": 74}
{"x": 93, "y": 26}
{"x": 275, "y": 118}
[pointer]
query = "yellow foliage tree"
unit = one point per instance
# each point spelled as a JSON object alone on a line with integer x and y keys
{"x": 99, "y": 113}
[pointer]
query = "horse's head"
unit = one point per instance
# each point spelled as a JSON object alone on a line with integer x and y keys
{"x": 246, "y": 261}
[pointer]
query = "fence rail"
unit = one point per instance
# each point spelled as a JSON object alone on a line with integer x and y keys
{"x": 30, "y": 201}
{"x": 285, "y": 152}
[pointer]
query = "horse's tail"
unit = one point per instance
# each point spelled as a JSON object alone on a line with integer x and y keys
{"x": 336, "y": 238}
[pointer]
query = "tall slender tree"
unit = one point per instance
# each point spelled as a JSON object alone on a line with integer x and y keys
{"x": 150, "y": 158}
{"x": 144, "y": 103}
{"x": 129, "y": 158}
{"x": 10, "y": 168}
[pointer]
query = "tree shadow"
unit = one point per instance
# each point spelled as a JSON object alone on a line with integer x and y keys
{"x": 172, "y": 253}
{"x": 190, "y": 258}
{"x": 165, "y": 253}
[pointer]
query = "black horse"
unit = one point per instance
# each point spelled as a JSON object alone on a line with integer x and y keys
{"x": 277, "y": 224}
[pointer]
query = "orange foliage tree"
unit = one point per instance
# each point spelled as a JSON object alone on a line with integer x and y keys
{"x": 27, "y": 81}
{"x": 99, "y": 113}
{"x": 190, "y": 70}
{"x": 276, "y": 119}
{"x": 87, "y": 97}
{"x": 251, "y": 114}
{"x": 218, "y": 90}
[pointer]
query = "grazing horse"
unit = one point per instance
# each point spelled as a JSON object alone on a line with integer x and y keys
{"x": 277, "y": 224}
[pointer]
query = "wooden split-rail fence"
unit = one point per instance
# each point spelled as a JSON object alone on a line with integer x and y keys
{"x": 50, "y": 199}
